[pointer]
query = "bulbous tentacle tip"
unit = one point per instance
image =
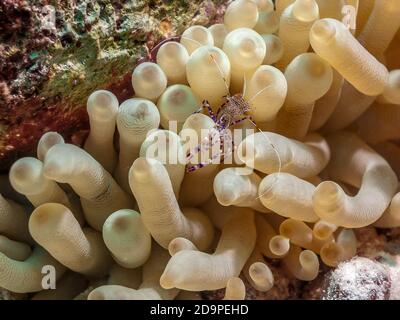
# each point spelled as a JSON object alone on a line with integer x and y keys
{"x": 306, "y": 10}
{"x": 42, "y": 213}
{"x": 225, "y": 196}
{"x": 323, "y": 30}
{"x": 141, "y": 169}
{"x": 308, "y": 258}
{"x": 328, "y": 200}
{"x": 279, "y": 245}
{"x": 166, "y": 281}
{"x": 96, "y": 294}
{"x": 24, "y": 169}
{"x": 102, "y": 105}
{"x": 327, "y": 193}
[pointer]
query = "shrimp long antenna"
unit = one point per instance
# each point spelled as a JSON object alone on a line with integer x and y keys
{"x": 255, "y": 96}
{"x": 277, "y": 154}
{"x": 158, "y": 45}
{"x": 244, "y": 86}
{"x": 258, "y": 93}
{"x": 280, "y": 165}
{"x": 221, "y": 73}
{"x": 215, "y": 62}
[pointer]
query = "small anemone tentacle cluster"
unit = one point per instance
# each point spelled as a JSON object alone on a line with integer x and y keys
{"x": 120, "y": 218}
